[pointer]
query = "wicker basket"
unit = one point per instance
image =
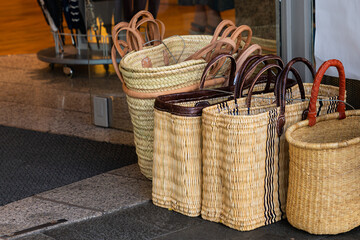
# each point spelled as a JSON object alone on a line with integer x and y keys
{"x": 177, "y": 145}
{"x": 177, "y": 166}
{"x": 324, "y": 171}
{"x": 148, "y": 83}
{"x": 245, "y": 157}
{"x": 169, "y": 66}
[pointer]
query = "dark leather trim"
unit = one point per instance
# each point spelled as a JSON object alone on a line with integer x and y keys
{"x": 166, "y": 103}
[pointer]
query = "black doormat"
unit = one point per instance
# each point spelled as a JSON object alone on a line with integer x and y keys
{"x": 33, "y": 162}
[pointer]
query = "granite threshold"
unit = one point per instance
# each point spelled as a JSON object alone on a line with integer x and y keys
{"x": 45, "y": 211}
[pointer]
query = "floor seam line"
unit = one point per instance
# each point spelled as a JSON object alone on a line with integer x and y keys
{"x": 123, "y": 176}
{"x": 69, "y": 204}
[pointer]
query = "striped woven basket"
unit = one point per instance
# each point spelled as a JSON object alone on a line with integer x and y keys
{"x": 324, "y": 176}
{"x": 177, "y": 145}
{"x": 177, "y": 167}
{"x": 245, "y": 155}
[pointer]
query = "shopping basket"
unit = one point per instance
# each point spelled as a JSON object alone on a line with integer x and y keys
{"x": 173, "y": 66}
{"x": 245, "y": 155}
{"x": 324, "y": 171}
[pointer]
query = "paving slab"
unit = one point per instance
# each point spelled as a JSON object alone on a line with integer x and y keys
{"x": 38, "y": 236}
{"x": 105, "y": 192}
{"x": 130, "y": 171}
{"x": 144, "y": 221}
{"x": 212, "y": 231}
{"x": 32, "y": 212}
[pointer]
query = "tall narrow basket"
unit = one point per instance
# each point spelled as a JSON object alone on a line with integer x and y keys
{"x": 161, "y": 70}
{"x": 245, "y": 155}
{"x": 324, "y": 171}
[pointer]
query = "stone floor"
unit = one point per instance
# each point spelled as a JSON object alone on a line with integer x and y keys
{"x": 113, "y": 205}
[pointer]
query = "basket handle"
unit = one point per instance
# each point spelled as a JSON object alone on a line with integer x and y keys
{"x": 128, "y": 46}
{"x": 228, "y": 31}
{"x": 210, "y": 49}
{"x": 214, "y": 61}
{"x": 280, "y": 92}
{"x": 221, "y": 28}
{"x": 236, "y": 36}
{"x": 152, "y": 32}
{"x": 115, "y": 34}
{"x": 115, "y": 64}
{"x": 315, "y": 89}
{"x": 248, "y": 69}
{"x": 246, "y": 54}
{"x": 143, "y": 13}
{"x": 258, "y": 75}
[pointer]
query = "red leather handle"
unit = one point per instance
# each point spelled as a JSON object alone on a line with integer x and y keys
{"x": 315, "y": 89}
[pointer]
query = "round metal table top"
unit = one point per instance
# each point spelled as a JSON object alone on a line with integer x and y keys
{"x": 73, "y": 56}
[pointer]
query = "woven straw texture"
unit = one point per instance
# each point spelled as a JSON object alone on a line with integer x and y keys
{"x": 177, "y": 166}
{"x": 157, "y": 79}
{"x": 324, "y": 174}
{"x": 245, "y": 162}
{"x": 160, "y": 77}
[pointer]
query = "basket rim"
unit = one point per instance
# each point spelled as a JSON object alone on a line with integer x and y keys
{"x": 163, "y": 68}
{"x": 321, "y": 146}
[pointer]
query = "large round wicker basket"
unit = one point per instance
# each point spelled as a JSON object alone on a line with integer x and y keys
{"x": 324, "y": 170}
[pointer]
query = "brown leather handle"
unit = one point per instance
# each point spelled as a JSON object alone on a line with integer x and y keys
{"x": 214, "y": 61}
{"x": 236, "y": 36}
{"x": 227, "y": 30}
{"x": 315, "y": 89}
{"x": 248, "y": 69}
{"x": 210, "y": 48}
{"x": 136, "y": 44}
{"x": 280, "y": 87}
{"x": 134, "y": 39}
{"x": 141, "y": 14}
{"x": 115, "y": 64}
{"x": 152, "y": 32}
{"x": 115, "y": 34}
{"x": 221, "y": 27}
{"x": 246, "y": 54}
{"x": 257, "y": 77}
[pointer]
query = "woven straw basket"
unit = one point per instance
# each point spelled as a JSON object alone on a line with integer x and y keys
{"x": 169, "y": 66}
{"x": 143, "y": 85}
{"x": 177, "y": 145}
{"x": 245, "y": 155}
{"x": 177, "y": 167}
{"x": 324, "y": 174}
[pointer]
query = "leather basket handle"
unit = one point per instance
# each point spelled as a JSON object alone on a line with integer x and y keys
{"x": 280, "y": 90}
{"x": 153, "y": 30}
{"x": 143, "y": 13}
{"x": 248, "y": 69}
{"x": 255, "y": 48}
{"x": 315, "y": 89}
{"x": 115, "y": 64}
{"x": 236, "y": 36}
{"x": 214, "y": 61}
{"x": 257, "y": 77}
{"x": 221, "y": 27}
{"x": 210, "y": 47}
